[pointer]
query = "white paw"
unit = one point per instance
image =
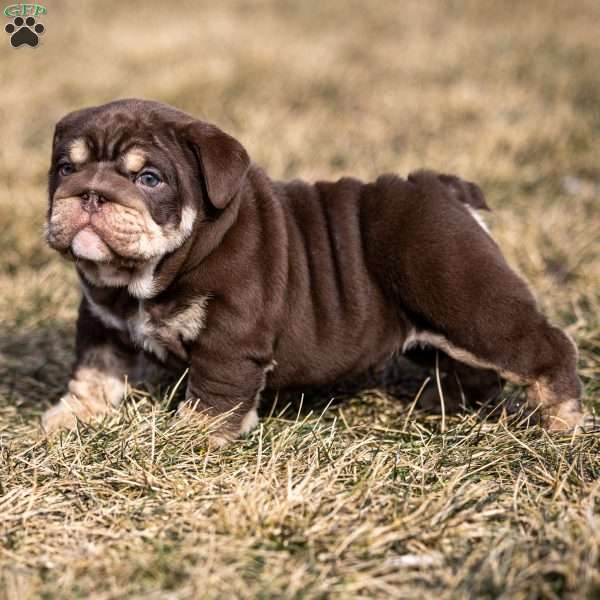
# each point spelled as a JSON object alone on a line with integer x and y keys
{"x": 61, "y": 415}
{"x": 249, "y": 422}
{"x": 566, "y": 417}
{"x": 71, "y": 409}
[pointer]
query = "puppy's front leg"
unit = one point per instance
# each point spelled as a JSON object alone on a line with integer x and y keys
{"x": 97, "y": 384}
{"x": 224, "y": 381}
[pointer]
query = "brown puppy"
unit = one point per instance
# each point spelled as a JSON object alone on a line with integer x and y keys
{"x": 189, "y": 255}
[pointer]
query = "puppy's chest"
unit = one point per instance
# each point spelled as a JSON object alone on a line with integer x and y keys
{"x": 155, "y": 328}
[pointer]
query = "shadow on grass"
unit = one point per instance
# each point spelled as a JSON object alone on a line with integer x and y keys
{"x": 35, "y": 364}
{"x": 398, "y": 378}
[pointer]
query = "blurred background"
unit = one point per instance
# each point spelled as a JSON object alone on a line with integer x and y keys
{"x": 503, "y": 93}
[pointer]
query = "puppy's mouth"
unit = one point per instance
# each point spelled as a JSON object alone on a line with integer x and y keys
{"x": 88, "y": 245}
{"x": 113, "y": 238}
{"x": 111, "y": 232}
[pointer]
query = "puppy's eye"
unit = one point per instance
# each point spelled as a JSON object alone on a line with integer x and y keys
{"x": 66, "y": 169}
{"x": 148, "y": 179}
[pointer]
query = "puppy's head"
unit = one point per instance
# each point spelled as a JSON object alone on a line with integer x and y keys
{"x": 128, "y": 182}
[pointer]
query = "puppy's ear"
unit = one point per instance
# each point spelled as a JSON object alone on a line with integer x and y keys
{"x": 223, "y": 161}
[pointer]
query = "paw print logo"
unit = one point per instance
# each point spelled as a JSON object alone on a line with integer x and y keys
{"x": 24, "y": 32}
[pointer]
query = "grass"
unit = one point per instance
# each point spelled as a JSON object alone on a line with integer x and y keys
{"x": 370, "y": 497}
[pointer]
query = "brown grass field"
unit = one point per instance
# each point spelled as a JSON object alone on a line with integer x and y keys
{"x": 372, "y": 497}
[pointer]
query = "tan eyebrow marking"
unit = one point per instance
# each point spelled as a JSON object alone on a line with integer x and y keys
{"x": 79, "y": 151}
{"x": 134, "y": 160}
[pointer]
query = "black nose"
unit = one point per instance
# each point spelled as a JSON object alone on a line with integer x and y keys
{"x": 91, "y": 201}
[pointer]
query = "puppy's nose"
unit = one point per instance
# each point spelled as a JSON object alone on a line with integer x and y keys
{"x": 91, "y": 201}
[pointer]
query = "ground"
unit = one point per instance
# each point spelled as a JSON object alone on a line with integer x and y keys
{"x": 370, "y": 497}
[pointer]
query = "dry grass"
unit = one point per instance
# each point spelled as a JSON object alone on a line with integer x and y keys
{"x": 367, "y": 498}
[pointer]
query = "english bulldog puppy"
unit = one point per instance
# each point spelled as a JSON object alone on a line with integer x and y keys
{"x": 189, "y": 255}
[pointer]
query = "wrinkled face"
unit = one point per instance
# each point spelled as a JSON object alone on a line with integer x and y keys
{"x": 126, "y": 206}
{"x": 128, "y": 181}
{"x": 117, "y": 198}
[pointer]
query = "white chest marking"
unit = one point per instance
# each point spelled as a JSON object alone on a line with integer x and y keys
{"x": 185, "y": 324}
{"x": 149, "y": 335}
{"x": 142, "y": 284}
{"x": 143, "y": 333}
{"x": 189, "y": 322}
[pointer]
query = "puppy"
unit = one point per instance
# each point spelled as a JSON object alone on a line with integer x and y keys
{"x": 190, "y": 256}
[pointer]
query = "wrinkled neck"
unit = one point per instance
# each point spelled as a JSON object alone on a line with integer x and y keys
{"x": 206, "y": 236}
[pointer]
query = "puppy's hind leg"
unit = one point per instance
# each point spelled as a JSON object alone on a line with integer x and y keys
{"x": 545, "y": 361}
{"x": 464, "y": 299}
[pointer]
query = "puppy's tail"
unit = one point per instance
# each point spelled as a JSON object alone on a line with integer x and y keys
{"x": 437, "y": 184}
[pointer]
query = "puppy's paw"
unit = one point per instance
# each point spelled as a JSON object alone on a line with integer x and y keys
{"x": 249, "y": 422}
{"x": 69, "y": 410}
{"x": 190, "y": 413}
{"x": 222, "y": 430}
{"x": 61, "y": 416}
{"x": 226, "y": 435}
{"x": 565, "y": 417}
